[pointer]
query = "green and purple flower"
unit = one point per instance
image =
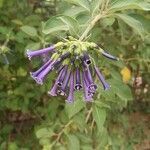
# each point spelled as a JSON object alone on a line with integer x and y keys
{"x": 74, "y": 66}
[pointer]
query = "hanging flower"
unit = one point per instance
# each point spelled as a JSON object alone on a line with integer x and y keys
{"x": 74, "y": 65}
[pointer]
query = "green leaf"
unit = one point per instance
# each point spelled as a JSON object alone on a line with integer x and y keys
{"x": 1, "y": 3}
{"x": 12, "y": 146}
{"x": 71, "y": 23}
{"x": 108, "y": 22}
{"x": 74, "y": 11}
{"x": 21, "y": 72}
{"x": 33, "y": 46}
{"x": 129, "y": 4}
{"x": 54, "y": 24}
{"x": 73, "y": 143}
{"x": 44, "y": 133}
{"x": 102, "y": 105}
{"x": 86, "y": 147}
{"x": 99, "y": 114}
{"x": 31, "y": 31}
{"x": 44, "y": 141}
{"x": 82, "y": 3}
{"x": 80, "y": 124}
{"x": 4, "y": 30}
{"x": 73, "y": 109}
{"x": 121, "y": 89}
{"x": 132, "y": 22}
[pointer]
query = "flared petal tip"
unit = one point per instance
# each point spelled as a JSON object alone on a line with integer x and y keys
{"x": 78, "y": 87}
{"x": 59, "y": 84}
{"x": 69, "y": 101}
{"x": 32, "y": 74}
{"x": 62, "y": 93}
{"x": 92, "y": 88}
{"x": 38, "y": 80}
{"x": 51, "y": 93}
{"x": 107, "y": 87}
{"x": 88, "y": 62}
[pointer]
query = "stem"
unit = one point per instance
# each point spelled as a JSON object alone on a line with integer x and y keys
{"x": 61, "y": 132}
{"x": 88, "y": 115}
{"x": 91, "y": 25}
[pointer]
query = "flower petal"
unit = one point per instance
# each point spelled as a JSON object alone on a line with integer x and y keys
{"x": 70, "y": 98}
{"x": 53, "y": 91}
{"x": 107, "y": 55}
{"x": 31, "y": 54}
{"x": 36, "y": 73}
{"x": 87, "y": 95}
{"x": 65, "y": 83}
{"x": 101, "y": 78}
{"x": 86, "y": 59}
{"x": 78, "y": 84}
{"x": 88, "y": 77}
{"x": 62, "y": 76}
{"x": 40, "y": 77}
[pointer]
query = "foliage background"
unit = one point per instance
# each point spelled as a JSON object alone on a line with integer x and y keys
{"x": 117, "y": 119}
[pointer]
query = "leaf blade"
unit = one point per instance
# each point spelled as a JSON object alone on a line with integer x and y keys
{"x": 132, "y": 22}
{"x": 99, "y": 114}
{"x": 31, "y": 31}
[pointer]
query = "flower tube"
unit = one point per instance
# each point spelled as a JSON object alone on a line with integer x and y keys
{"x": 87, "y": 94}
{"x": 40, "y": 77}
{"x": 65, "y": 83}
{"x": 78, "y": 85}
{"x": 107, "y": 55}
{"x": 70, "y": 98}
{"x": 36, "y": 73}
{"x": 92, "y": 87}
{"x": 86, "y": 59}
{"x": 31, "y": 54}
{"x": 101, "y": 78}
{"x": 53, "y": 91}
{"x": 62, "y": 76}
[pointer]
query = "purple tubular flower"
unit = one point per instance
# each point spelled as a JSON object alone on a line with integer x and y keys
{"x": 60, "y": 68}
{"x": 45, "y": 58}
{"x": 31, "y": 54}
{"x": 53, "y": 91}
{"x": 36, "y": 73}
{"x": 104, "y": 53}
{"x": 39, "y": 77}
{"x": 62, "y": 76}
{"x": 101, "y": 78}
{"x": 88, "y": 77}
{"x": 87, "y": 94}
{"x": 86, "y": 59}
{"x": 70, "y": 98}
{"x": 78, "y": 85}
{"x": 65, "y": 83}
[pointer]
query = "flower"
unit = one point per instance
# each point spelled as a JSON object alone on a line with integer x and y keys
{"x": 31, "y": 54}
{"x": 74, "y": 66}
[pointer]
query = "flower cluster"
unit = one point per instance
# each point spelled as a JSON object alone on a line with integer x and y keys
{"x": 74, "y": 65}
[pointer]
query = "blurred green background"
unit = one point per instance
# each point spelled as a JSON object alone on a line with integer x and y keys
{"x": 31, "y": 120}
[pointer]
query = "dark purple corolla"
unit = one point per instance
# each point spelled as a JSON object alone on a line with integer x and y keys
{"x": 74, "y": 71}
{"x": 70, "y": 98}
{"x": 102, "y": 80}
{"x": 78, "y": 84}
